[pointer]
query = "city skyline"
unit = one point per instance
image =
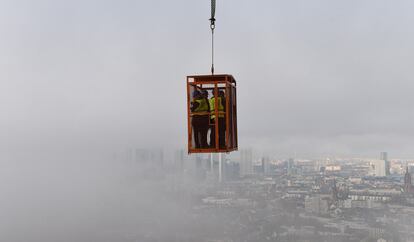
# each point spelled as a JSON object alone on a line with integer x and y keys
{"x": 93, "y": 121}
{"x": 293, "y": 199}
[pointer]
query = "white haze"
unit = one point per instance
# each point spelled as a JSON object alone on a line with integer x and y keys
{"x": 80, "y": 80}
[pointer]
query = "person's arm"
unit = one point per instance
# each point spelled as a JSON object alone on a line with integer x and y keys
{"x": 208, "y": 105}
{"x": 194, "y": 106}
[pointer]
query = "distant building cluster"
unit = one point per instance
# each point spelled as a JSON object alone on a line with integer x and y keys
{"x": 289, "y": 199}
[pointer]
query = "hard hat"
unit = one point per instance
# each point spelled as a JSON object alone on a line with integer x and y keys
{"x": 196, "y": 93}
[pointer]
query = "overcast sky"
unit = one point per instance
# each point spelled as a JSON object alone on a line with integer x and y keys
{"x": 313, "y": 76}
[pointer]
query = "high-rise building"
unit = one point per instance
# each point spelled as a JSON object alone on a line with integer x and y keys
{"x": 290, "y": 162}
{"x": 246, "y": 162}
{"x": 379, "y": 168}
{"x": 384, "y": 157}
{"x": 407, "y": 182}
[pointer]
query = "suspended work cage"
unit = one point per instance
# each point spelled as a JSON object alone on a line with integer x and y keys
{"x": 212, "y": 113}
{"x": 211, "y": 108}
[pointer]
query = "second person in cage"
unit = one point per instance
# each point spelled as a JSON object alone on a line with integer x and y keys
{"x": 221, "y": 101}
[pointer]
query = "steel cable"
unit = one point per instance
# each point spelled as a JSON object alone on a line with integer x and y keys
{"x": 212, "y": 27}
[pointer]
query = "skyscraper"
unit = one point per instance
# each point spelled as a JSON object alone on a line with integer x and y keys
{"x": 379, "y": 167}
{"x": 384, "y": 157}
{"x": 290, "y": 162}
{"x": 407, "y": 182}
{"x": 246, "y": 162}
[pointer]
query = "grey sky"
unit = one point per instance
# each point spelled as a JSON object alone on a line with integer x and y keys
{"x": 94, "y": 77}
{"x": 313, "y": 76}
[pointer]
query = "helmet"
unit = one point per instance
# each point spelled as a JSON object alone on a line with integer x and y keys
{"x": 196, "y": 93}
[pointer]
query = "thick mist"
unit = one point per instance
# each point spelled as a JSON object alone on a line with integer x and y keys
{"x": 83, "y": 81}
{"x": 84, "y": 199}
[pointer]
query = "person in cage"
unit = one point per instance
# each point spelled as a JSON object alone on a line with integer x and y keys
{"x": 206, "y": 121}
{"x": 200, "y": 119}
{"x": 221, "y": 99}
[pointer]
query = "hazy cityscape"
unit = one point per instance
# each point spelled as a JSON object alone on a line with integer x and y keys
{"x": 256, "y": 198}
{"x": 101, "y": 102}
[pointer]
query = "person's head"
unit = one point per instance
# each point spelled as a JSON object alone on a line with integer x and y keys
{"x": 196, "y": 94}
{"x": 205, "y": 93}
{"x": 221, "y": 94}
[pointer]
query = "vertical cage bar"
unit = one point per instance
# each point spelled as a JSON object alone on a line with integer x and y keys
{"x": 235, "y": 115}
{"x": 188, "y": 117}
{"x": 227, "y": 143}
{"x": 216, "y": 115}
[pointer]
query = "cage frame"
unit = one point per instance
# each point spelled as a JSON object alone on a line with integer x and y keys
{"x": 228, "y": 83}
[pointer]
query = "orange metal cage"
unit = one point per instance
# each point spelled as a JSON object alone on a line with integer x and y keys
{"x": 213, "y": 129}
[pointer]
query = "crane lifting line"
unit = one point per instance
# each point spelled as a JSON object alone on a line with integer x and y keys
{"x": 212, "y": 27}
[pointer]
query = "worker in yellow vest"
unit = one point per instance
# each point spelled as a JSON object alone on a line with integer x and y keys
{"x": 221, "y": 120}
{"x": 200, "y": 119}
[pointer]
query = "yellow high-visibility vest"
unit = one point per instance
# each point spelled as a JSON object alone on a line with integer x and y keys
{"x": 202, "y": 108}
{"x": 213, "y": 105}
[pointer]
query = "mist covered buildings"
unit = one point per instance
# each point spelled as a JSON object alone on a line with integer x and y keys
{"x": 261, "y": 198}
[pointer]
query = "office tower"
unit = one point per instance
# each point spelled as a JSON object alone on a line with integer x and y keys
{"x": 379, "y": 167}
{"x": 407, "y": 182}
{"x": 384, "y": 156}
{"x": 246, "y": 162}
{"x": 290, "y": 162}
{"x": 263, "y": 169}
